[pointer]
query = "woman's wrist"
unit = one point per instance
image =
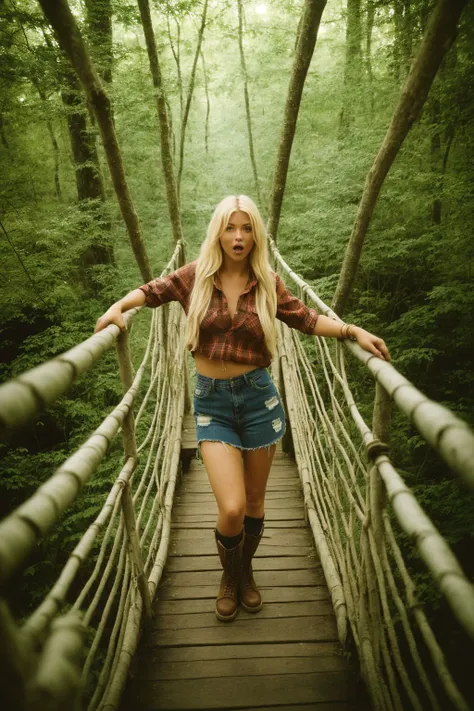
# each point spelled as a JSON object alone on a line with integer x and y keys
{"x": 348, "y": 331}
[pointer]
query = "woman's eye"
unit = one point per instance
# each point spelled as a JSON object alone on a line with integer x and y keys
{"x": 248, "y": 228}
{"x": 229, "y": 228}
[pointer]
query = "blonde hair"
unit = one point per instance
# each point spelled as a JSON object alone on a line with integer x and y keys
{"x": 210, "y": 260}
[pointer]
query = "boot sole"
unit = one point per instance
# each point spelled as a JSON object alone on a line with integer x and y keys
{"x": 226, "y": 618}
{"x": 252, "y": 609}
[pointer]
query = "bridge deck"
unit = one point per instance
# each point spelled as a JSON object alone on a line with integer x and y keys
{"x": 285, "y": 657}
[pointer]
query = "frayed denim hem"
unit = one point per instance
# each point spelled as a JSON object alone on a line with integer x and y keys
{"x": 231, "y": 444}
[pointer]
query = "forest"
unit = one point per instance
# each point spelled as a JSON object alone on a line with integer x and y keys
{"x": 79, "y": 229}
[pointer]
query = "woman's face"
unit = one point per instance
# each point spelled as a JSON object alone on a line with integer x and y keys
{"x": 237, "y": 239}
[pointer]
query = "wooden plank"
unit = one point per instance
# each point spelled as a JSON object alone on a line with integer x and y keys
{"x": 180, "y": 513}
{"x": 277, "y": 471}
{"x": 269, "y": 610}
{"x": 244, "y": 630}
{"x": 207, "y": 546}
{"x": 203, "y": 492}
{"x": 219, "y": 668}
{"x": 195, "y": 620}
{"x": 241, "y": 651}
{"x": 275, "y": 524}
{"x": 273, "y": 536}
{"x": 280, "y": 491}
{"x": 193, "y": 562}
{"x": 198, "y": 504}
{"x": 270, "y": 594}
{"x": 266, "y": 578}
{"x": 269, "y": 689}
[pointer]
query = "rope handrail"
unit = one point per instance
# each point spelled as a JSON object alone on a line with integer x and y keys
{"x": 352, "y": 508}
{"x": 124, "y": 548}
{"x": 23, "y": 397}
{"x": 448, "y": 434}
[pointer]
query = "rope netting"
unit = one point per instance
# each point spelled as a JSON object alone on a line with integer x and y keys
{"x": 359, "y": 508}
{"x": 112, "y": 574}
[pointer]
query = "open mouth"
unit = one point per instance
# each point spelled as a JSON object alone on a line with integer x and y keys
{"x": 237, "y": 248}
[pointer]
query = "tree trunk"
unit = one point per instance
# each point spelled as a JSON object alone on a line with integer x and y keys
{"x": 435, "y": 150}
{"x": 352, "y": 67}
{"x": 247, "y": 101}
{"x": 59, "y": 15}
{"x": 54, "y": 143}
{"x": 190, "y": 96}
{"x": 2, "y": 132}
{"x": 308, "y": 30}
{"x": 99, "y": 33}
{"x": 86, "y": 166}
{"x": 208, "y": 103}
{"x": 166, "y": 159}
{"x": 177, "y": 59}
{"x": 438, "y": 38}
{"x": 369, "y": 26}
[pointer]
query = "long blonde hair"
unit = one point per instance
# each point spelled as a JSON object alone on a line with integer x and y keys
{"x": 210, "y": 260}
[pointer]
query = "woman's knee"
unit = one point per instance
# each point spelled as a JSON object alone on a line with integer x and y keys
{"x": 232, "y": 510}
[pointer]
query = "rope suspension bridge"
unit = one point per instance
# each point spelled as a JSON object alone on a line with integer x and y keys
{"x": 349, "y": 584}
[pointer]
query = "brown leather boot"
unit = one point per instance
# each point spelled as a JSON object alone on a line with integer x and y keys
{"x": 227, "y": 598}
{"x": 250, "y": 598}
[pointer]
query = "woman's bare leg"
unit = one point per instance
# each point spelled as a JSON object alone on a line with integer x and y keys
{"x": 257, "y": 465}
{"x": 225, "y": 470}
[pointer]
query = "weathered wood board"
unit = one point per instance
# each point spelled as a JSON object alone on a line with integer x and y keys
{"x": 285, "y": 658}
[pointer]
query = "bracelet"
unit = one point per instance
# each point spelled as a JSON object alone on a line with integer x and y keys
{"x": 346, "y": 332}
{"x": 350, "y": 335}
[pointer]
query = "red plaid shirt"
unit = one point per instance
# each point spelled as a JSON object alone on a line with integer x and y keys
{"x": 239, "y": 339}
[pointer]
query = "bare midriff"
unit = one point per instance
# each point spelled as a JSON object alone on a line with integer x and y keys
{"x": 221, "y": 369}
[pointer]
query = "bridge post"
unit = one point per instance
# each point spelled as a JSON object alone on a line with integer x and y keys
{"x": 372, "y": 544}
{"x": 130, "y": 450}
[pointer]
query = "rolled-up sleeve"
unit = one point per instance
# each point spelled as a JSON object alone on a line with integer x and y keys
{"x": 176, "y": 286}
{"x": 293, "y": 311}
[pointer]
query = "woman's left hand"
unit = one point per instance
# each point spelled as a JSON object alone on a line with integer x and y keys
{"x": 371, "y": 343}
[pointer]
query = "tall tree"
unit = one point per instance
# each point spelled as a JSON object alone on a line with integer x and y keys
{"x": 208, "y": 102}
{"x": 369, "y": 26}
{"x": 438, "y": 38}
{"x": 307, "y": 33}
{"x": 352, "y": 66}
{"x": 189, "y": 95}
{"x": 247, "y": 100}
{"x": 86, "y": 165}
{"x": 165, "y": 134}
{"x": 176, "y": 51}
{"x": 59, "y": 15}
{"x": 99, "y": 34}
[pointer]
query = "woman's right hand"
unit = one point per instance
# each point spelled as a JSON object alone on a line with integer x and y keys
{"x": 112, "y": 315}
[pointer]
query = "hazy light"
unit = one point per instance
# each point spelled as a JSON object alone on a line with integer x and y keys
{"x": 21, "y": 99}
{"x": 261, "y": 9}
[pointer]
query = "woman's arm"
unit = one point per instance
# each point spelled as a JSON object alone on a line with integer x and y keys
{"x": 326, "y": 326}
{"x": 114, "y": 314}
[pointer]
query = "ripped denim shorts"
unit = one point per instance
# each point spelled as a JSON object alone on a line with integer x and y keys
{"x": 244, "y": 411}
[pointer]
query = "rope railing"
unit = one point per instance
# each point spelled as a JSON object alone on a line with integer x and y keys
{"x": 356, "y": 506}
{"x": 109, "y": 580}
{"x": 450, "y": 436}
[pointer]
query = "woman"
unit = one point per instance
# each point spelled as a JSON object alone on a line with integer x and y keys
{"x": 231, "y": 297}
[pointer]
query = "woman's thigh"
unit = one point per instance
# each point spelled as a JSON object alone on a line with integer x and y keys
{"x": 225, "y": 471}
{"x": 257, "y": 465}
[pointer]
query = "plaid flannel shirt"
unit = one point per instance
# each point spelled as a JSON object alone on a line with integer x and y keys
{"x": 239, "y": 339}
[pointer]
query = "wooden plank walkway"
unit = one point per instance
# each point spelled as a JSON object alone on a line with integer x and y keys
{"x": 284, "y": 657}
